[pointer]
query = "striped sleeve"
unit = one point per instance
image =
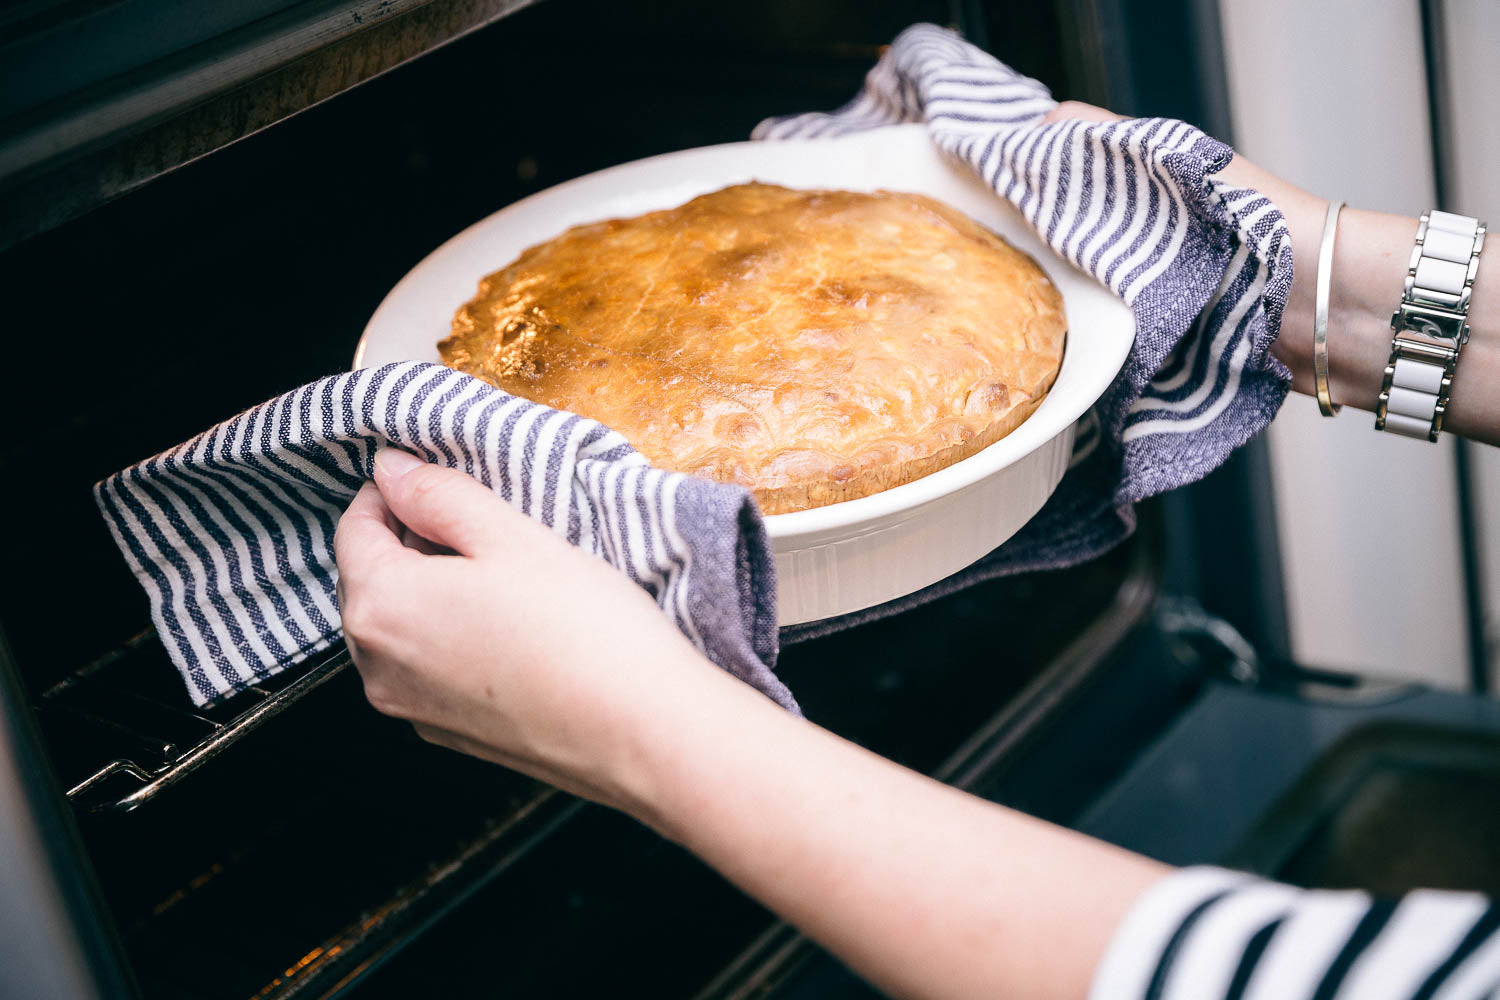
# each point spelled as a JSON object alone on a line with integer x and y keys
{"x": 1212, "y": 934}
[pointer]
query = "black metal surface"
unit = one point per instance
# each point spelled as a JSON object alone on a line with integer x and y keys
{"x": 1164, "y": 58}
{"x": 103, "y": 97}
{"x": 124, "y": 734}
{"x": 1475, "y": 631}
{"x": 1390, "y": 807}
{"x": 309, "y": 850}
{"x": 1197, "y": 793}
{"x": 1223, "y": 547}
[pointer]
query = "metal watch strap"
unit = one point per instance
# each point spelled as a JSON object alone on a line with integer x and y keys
{"x": 1431, "y": 325}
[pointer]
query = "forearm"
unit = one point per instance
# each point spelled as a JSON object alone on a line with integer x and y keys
{"x": 921, "y": 888}
{"x": 1371, "y": 255}
{"x": 588, "y": 686}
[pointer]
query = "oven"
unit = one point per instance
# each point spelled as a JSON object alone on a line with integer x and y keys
{"x": 201, "y": 209}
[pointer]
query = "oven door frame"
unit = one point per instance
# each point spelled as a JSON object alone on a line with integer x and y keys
{"x": 49, "y": 896}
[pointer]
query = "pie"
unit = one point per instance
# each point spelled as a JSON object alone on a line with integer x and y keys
{"x": 814, "y": 346}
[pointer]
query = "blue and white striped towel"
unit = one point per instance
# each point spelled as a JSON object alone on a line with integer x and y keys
{"x": 1205, "y": 266}
{"x": 231, "y": 533}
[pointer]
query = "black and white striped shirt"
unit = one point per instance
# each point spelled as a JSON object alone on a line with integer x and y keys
{"x": 1212, "y": 934}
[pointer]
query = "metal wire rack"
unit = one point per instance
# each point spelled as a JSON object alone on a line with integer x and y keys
{"x": 123, "y": 731}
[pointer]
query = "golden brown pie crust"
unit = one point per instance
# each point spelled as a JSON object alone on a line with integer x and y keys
{"x": 815, "y": 346}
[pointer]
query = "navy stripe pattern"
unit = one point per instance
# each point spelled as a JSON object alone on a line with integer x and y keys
{"x": 231, "y": 533}
{"x": 1205, "y": 267}
{"x": 1211, "y": 934}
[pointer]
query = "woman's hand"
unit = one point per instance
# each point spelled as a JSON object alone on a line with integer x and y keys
{"x": 495, "y": 637}
{"x": 498, "y": 639}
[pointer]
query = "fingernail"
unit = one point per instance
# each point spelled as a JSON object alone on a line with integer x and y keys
{"x": 393, "y": 463}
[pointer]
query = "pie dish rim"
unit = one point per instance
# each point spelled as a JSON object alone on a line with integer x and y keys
{"x": 901, "y": 158}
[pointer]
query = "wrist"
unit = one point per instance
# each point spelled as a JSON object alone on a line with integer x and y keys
{"x": 675, "y": 748}
{"x": 1369, "y": 273}
{"x": 1370, "y": 256}
{"x": 1304, "y": 216}
{"x": 1371, "y": 250}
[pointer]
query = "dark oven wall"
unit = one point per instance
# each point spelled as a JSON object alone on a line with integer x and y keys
{"x": 253, "y": 270}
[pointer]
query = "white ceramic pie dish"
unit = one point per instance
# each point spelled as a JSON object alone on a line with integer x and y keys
{"x": 853, "y": 555}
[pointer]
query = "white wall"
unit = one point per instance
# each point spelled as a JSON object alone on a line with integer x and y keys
{"x": 1332, "y": 95}
{"x": 1472, "y": 47}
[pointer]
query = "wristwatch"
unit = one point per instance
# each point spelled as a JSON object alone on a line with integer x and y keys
{"x": 1431, "y": 325}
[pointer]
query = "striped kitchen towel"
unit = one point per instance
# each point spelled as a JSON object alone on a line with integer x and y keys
{"x": 231, "y": 533}
{"x": 1205, "y": 267}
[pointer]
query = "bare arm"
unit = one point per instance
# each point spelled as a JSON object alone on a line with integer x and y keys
{"x": 923, "y": 889}
{"x": 1369, "y": 267}
{"x": 571, "y": 674}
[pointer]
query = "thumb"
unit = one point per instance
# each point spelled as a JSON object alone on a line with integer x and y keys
{"x": 442, "y": 505}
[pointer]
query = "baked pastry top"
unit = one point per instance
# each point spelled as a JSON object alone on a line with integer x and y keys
{"x": 815, "y": 346}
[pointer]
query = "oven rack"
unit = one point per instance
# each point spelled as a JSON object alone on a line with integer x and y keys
{"x": 125, "y": 732}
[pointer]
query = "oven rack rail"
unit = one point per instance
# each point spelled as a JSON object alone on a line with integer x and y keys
{"x": 143, "y": 736}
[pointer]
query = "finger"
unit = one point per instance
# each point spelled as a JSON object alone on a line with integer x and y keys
{"x": 367, "y": 534}
{"x": 412, "y": 540}
{"x": 1079, "y": 111}
{"x": 443, "y": 505}
{"x": 408, "y": 538}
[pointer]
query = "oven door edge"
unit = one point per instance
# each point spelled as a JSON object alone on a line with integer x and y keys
{"x": 58, "y": 938}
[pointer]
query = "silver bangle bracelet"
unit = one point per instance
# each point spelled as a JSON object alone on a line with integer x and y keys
{"x": 1320, "y": 310}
